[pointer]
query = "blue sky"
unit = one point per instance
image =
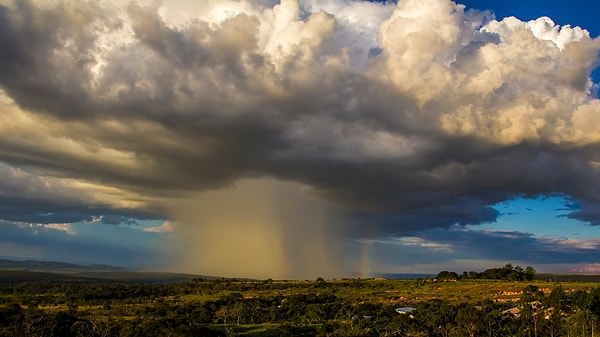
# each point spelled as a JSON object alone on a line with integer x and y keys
{"x": 574, "y": 13}
{"x": 300, "y": 139}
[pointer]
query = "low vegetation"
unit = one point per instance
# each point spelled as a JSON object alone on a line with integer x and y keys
{"x": 352, "y": 307}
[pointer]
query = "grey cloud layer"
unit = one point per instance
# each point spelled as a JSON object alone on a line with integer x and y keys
{"x": 460, "y": 246}
{"x": 427, "y": 119}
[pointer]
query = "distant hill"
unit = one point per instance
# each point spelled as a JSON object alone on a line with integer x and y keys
{"x": 568, "y": 278}
{"x": 53, "y": 266}
{"x": 18, "y": 276}
{"x": 404, "y": 276}
{"x": 52, "y": 271}
{"x": 143, "y": 276}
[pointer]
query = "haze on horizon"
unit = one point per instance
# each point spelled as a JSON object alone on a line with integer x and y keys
{"x": 297, "y": 139}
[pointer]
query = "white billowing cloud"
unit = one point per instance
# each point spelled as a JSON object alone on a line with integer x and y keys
{"x": 508, "y": 81}
{"x": 357, "y": 24}
{"x": 542, "y": 28}
{"x": 420, "y": 41}
{"x": 291, "y": 37}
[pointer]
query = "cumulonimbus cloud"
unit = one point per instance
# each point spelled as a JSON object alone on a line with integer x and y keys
{"x": 410, "y": 115}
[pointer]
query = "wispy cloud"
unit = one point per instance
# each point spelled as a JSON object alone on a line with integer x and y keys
{"x": 590, "y": 244}
{"x": 410, "y": 241}
{"x": 592, "y": 268}
{"x": 65, "y": 227}
{"x": 165, "y": 227}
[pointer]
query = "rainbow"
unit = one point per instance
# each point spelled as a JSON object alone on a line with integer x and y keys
{"x": 365, "y": 244}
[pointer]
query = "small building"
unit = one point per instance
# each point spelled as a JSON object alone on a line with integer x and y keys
{"x": 405, "y": 310}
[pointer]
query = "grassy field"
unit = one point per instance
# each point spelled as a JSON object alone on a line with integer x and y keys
{"x": 414, "y": 291}
{"x": 250, "y": 308}
{"x": 371, "y": 290}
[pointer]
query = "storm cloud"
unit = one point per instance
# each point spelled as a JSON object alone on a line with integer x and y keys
{"x": 401, "y": 116}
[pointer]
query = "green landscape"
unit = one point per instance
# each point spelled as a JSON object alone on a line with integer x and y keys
{"x": 504, "y": 301}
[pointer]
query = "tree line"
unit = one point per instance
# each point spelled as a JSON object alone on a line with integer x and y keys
{"x": 324, "y": 309}
{"x": 507, "y": 273}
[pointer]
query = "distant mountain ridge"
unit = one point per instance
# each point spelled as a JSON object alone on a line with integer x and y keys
{"x": 15, "y": 271}
{"x": 55, "y": 266}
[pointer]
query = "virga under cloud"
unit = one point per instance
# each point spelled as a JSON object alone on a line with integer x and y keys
{"x": 404, "y": 116}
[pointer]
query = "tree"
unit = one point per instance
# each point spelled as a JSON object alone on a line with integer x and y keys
{"x": 468, "y": 319}
{"x": 530, "y": 320}
{"x": 529, "y": 273}
{"x": 440, "y": 317}
{"x": 532, "y": 293}
{"x": 581, "y": 323}
{"x": 447, "y": 275}
{"x": 222, "y": 314}
{"x": 519, "y": 273}
{"x": 557, "y": 297}
{"x": 491, "y": 319}
{"x": 552, "y": 324}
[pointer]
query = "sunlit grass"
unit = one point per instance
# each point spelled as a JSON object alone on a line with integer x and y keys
{"x": 191, "y": 295}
